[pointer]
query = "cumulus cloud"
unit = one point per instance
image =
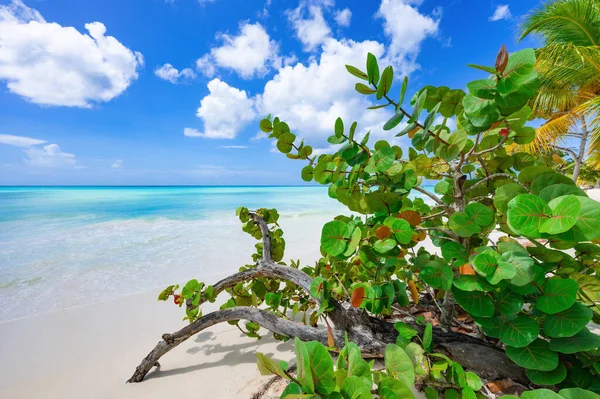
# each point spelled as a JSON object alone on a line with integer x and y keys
{"x": 50, "y": 156}
{"x": 55, "y": 65}
{"x": 309, "y": 24}
{"x": 251, "y": 53}
{"x": 224, "y": 112}
{"x": 502, "y": 12}
{"x": 406, "y": 28}
{"x": 234, "y": 146}
{"x": 19, "y": 141}
{"x": 343, "y": 17}
{"x": 169, "y": 73}
{"x": 117, "y": 164}
{"x": 310, "y": 97}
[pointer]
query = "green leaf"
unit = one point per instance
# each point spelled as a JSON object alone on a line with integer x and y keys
{"x": 451, "y": 250}
{"x": 523, "y": 265}
{"x": 583, "y": 341}
{"x": 427, "y": 336}
{"x": 586, "y": 227}
{"x": 523, "y": 135}
{"x": 506, "y": 193}
{"x": 307, "y": 173}
{"x": 437, "y": 275}
{"x": 458, "y": 373}
{"x": 451, "y": 103}
{"x": 526, "y": 214}
{"x": 481, "y": 112}
{"x": 339, "y": 127}
{"x": 399, "y": 365}
{"x": 564, "y": 215}
{"x": 486, "y": 262}
{"x": 321, "y": 368}
{"x": 549, "y": 179}
{"x": 387, "y": 77}
{"x": 535, "y": 356}
{"x": 551, "y": 377}
{"x": 468, "y": 393}
{"x": 483, "y": 68}
{"x": 317, "y": 287}
{"x": 559, "y": 294}
{"x": 357, "y": 72}
{"x": 519, "y": 332}
{"x": 539, "y": 394}
{"x": 268, "y": 366}
{"x": 473, "y": 381}
{"x": 390, "y": 388}
{"x": 393, "y": 122}
{"x": 484, "y": 88}
{"x": 333, "y": 237}
{"x": 530, "y": 173}
{"x": 568, "y": 322}
{"x": 400, "y": 228}
{"x": 303, "y": 375}
{"x": 293, "y": 390}
{"x": 519, "y": 83}
{"x": 475, "y": 302}
{"x": 472, "y": 283}
{"x": 354, "y": 241}
{"x": 456, "y": 143}
{"x": 548, "y": 193}
{"x": 355, "y": 388}
{"x": 364, "y": 89}
{"x": 503, "y": 271}
{"x": 508, "y": 303}
{"x": 577, "y": 393}
{"x": 372, "y": 69}
{"x": 403, "y": 91}
{"x": 285, "y": 141}
{"x": 469, "y": 222}
{"x": 383, "y": 246}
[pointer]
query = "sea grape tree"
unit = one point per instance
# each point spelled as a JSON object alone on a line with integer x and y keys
{"x": 516, "y": 257}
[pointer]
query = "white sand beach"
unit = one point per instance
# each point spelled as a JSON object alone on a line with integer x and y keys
{"x": 90, "y": 351}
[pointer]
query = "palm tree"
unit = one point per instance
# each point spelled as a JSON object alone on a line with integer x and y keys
{"x": 569, "y": 70}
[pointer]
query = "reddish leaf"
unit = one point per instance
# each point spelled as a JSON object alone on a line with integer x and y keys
{"x": 357, "y": 296}
{"x": 412, "y": 217}
{"x": 383, "y": 232}
{"x": 502, "y": 59}
{"x": 466, "y": 269}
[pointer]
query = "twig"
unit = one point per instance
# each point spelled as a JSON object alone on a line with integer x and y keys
{"x": 506, "y": 175}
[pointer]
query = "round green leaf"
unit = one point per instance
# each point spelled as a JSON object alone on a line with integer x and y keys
{"x": 485, "y": 263}
{"x": 526, "y": 214}
{"x": 503, "y": 271}
{"x": 472, "y": 283}
{"x": 475, "y": 302}
{"x": 586, "y": 226}
{"x": 577, "y": 393}
{"x": 481, "y": 112}
{"x": 549, "y": 179}
{"x": 437, "y": 275}
{"x": 530, "y": 173}
{"x": 354, "y": 387}
{"x": 401, "y": 229}
{"x": 399, "y": 365}
{"x": 456, "y": 143}
{"x": 583, "y": 341}
{"x": 551, "y": 377}
{"x": 481, "y": 214}
{"x": 519, "y": 332}
{"x": 540, "y": 394}
{"x": 333, "y": 237}
{"x": 564, "y": 215}
{"x": 453, "y": 251}
{"x": 506, "y": 193}
{"x": 473, "y": 381}
{"x": 307, "y": 173}
{"x": 548, "y": 193}
{"x": 524, "y": 135}
{"x": 559, "y": 294}
{"x": 535, "y": 356}
{"x": 383, "y": 246}
{"x": 568, "y": 322}
{"x": 391, "y": 388}
{"x": 508, "y": 303}
{"x": 523, "y": 265}
{"x": 463, "y": 225}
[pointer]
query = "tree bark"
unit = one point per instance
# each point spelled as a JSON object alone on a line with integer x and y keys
{"x": 582, "y": 150}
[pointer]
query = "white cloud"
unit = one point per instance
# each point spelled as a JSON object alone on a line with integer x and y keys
{"x": 171, "y": 74}
{"x": 225, "y": 111}
{"x": 50, "y": 156}
{"x": 407, "y": 28}
{"x": 343, "y": 17}
{"x": 502, "y": 12}
{"x": 311, "y": 97}
{"x": 251, "y": 53}
{"x": 117, "y": 164}
{"x": 234, "y": 146}
{"x": 19, "y": 141}
{"x": 312, "y": 29}
{"x": 54, "y": 65}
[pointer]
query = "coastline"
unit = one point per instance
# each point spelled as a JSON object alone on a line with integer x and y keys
{"x": 92, "y": 350}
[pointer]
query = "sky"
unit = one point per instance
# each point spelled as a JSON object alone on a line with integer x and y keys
{"x": 170, "y": 92}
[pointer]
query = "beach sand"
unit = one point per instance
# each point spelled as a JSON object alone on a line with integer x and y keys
{"x": 90, "y": 351}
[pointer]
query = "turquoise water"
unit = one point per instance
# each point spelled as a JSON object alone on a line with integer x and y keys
{"x": 68, "y": 246}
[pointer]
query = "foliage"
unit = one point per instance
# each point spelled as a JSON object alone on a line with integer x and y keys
{"x": 517, "y": 241}
{"x": 569, "y": 74}
{"x": 351, "y": 376}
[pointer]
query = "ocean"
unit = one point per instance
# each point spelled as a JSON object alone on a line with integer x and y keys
{"x": 70, "y": 246}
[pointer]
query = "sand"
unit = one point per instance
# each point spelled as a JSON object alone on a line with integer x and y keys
{"x": 90, "y": 351}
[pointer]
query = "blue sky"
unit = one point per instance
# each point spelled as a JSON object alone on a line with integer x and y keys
{"x": 144, "y": 92}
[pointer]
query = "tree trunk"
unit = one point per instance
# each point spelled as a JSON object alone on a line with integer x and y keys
{"x": 582, "y": 150}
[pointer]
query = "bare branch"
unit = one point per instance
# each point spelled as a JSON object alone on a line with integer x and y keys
{"x": 432, "y": 196}
{"x": 433, "y": 216}
{"x": 494, "y": 148}
{"x": 266, "y": 237}
{"x": 266, "y": 319}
